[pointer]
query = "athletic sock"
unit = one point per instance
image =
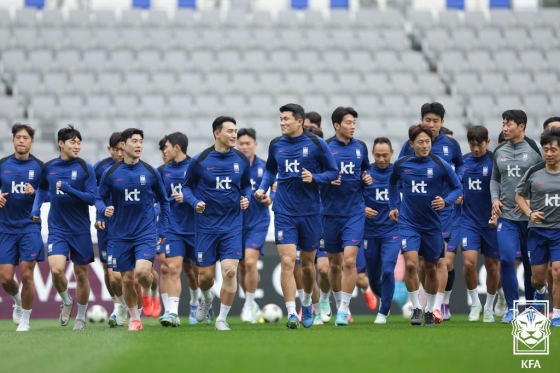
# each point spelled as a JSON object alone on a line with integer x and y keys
{"x": 81, "y": 312}
{"x": 174, "y": 305}
{"x": 17, "y": 298}
{"x": 224, "y": 310}
{"x": 541, "y": 290}
{"x": 117, "y": 308}
{"x": 344, "y": 302}
{"x": 438, "y": 300}
{"x": 489, "y": 301}
{"x": 317, "y": 307}
{"x": 65, "y": 297}
{"x": 134, "y": 313}
{"x": 146, "y": 292}
{"x": 366, "y": 290}
{"x": 165, "y": 300}
{"x": 207, "y": 295}
{"x": 446, "y": 296}
{"x": 194, "y": 296}
{"x": 25, "y": 316}
{"x": 249, "y": 299}
{"x": 155, "y": 294}
{"x": 291, "y": 308}
{"x": 474, "y": 297}
{"x": 415, "y": 299}
{"x": 450, "y": 280}
{"x": 431, "y": 301}
{"x": 501, "y": 293}
{"x": 123, "y": 302}
{"x": 555, "y": 313}
{"x": 324, "y": 297}
{"x": 300, "y": 294}
{"x": 306, "y": 301}
{"x": 337, "y": 297}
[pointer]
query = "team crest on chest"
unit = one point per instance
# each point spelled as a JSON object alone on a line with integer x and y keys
{"x": 31, "y": 174}
{"x": 430, "y": 172}
{"x": 358, "y": 154}
{"x": 236, "y": 168}
{"x": 485, "y": 171}
{"x": 142, "y": 179}
{"x": 74, "y": 174}
{"x": 305, "y": 151}
{"x": 445, "y": 150}
{"x": 525, "y": 157}
{"x": 260, "y": 171}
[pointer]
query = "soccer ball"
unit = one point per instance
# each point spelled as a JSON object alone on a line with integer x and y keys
{"x": 271, "y": 313}
{"x": 97, "y": 314}
{"x": 407, "y": 310}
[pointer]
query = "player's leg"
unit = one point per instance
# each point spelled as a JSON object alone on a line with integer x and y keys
{"x": 9, "y": 258}
{"x": 156, "y": 311}
{"x": 540, "y": 241}
{"x": 58, "y": 252}
{"x": 508, "y": 243}
{"x": 362, "y": 282}
{"x": 163, "y": 282}
{"x": 472, "y": 242}
{"x": 207, "y": 256}
{"x": 308, "y": 278}
{"x": 335, "y": 251}
{"x": 447, "y": 230}
{"x": 389, "y": 252}
{"x": 431, "y": 247}
{"x": 523, "y": 234}
{"x": 82, "y": 294}
{"x": 174, "y": 288}
{"x": 146, "y": 292}
{"x": 191, "y": 271}
{"x": 102, "y": 242}
{"x": 410, "y": 244}
{"x": 27, "y": 292}
{"x": 449, "y": 261}
{"x": 131, "y": 297}
{"x": 324, "y": 285}
{"x": 421, "y": 272}
{"x": 550, "y": 282}
{"x": 251, "y": 283}
{"x": 298, "y": 278}
{"x": 555, "y": 258}
{"x": 317, "y": 320}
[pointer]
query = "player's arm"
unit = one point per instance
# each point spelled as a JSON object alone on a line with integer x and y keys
{"x": 246, "y": 189}
{"x": 459, "y": 161}
{"x": 191, "y": 179}
{"x": 103, "y": 195}
{"x": 523, "y": 193}
{"x": 161, "y": 196}
{"x": 454, "y": 183}
{"x": 41, "y": 194}
{"x": 271, "y": 169}
{"x": 394, "y": 194}
{"x": 366, "y": 177}
{"x": 90, "y": 188}
{"x": 157, "y": 208}
{"x": 495, "y": 180}
{"x": 331, "y": 171}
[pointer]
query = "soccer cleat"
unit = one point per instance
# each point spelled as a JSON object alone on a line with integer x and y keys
{"x": 488, "y": 316}
{"x": 203, "y": 309}
{"x": 307, "y": 316}
{"x": 429, "y": 319}
{"x": 371, "y": 300}
{"x": 65, "y": 311}
{"x": 341, "y": 319}
{"x": 416, "y": 318}
{"x": 349, "y": 317}
{"x": 293, "y": 322}
{"x": 317, "y": 320}
{"x": 508, "y": 318}
{"x": 112, "y": 321}
{"x": 80, "y": 325}
{"x": 192, "y": 315}
{"x": 538, "y": 296}
{"x": 165, "y": 314}
{"x": 23, "y": 327}
{"x": 257, "y": 314}
{"x": 135, "y": 325}
{"x": 436, "y": 315}
{"x": 555, "y": 322}
{"x": 445, "y": 312}
{"x": 380, "y": 319}
{"x": 326, "y": 312}
{"x": 171, "y": 320}
{"x": 247, "y": 314}
{"x": 122, "y": 315}
{"x": 210, "y": 317}
{"x": 156, "y": 311}
{"x": 476, "y": 310}
{"x": 500, "y": 308}
{"x": 16, "y": 314}
{"x": 148, "y": 305}
{"x": 222, "y": 325}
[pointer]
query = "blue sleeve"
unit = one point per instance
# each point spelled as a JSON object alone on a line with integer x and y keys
{"x": 454, "y": 183}
{"x": 403, "y": 149}
{"x": 41, "y": 194}
{"x": 246, "y": 189}
{"x": 365, "y": 161}
{"x": 394, "y": 195}
{"x": 90, "y": 185}
{"x": 161, "y": 196}
{"x": 271, "y": 169}
{"x": 157, "y": 207}
{"x": 191, "y": 179}
{"x": 102, "y": 196}
{"x": 329, "y": 165}
{"x": 459, "y": 162}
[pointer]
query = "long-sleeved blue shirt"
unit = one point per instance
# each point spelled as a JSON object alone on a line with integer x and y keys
{"x": 99, "y": 168}
{"x": 287, "y": 157}
{"x": 477, "y": 199}
{"x": 219, "y": 180}
{"x": 257, "y": 215}
{"x": 69, "y": 212}
{"x": 347, "y": 198}
{"x": 132, "y": 189}
{"x": 376, "y": 196}
{"x": 14, "y": 174}
{"x": 423, "y": 179}
{"x": 181, "y": 215}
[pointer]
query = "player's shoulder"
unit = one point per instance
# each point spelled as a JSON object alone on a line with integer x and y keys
{"x": 99, "y": 164}
{"x": 162, "y": 167}
{"x": 438, "y": 160}
{"x": 503, "y": 147}
{"x": 241, "y": 155}
{"x": 50, "y": 163}
{"x": 361, "y": 143}
{"x": 200, "y": 157}
{"x": 5, "y": 159}
{"x": 490, "y": 154}
{"x": 37, "y": 160}
{"x": 316, "y": 140}
{"x": 535, "y": 169}
{"x": 533, "y": 145}
{"x": 466, "y": 156}
{"x": 452, "y": 141}
{"x": 275, "y": 140}
{"x": 149, "y": 167}
{"x": 402, "y": 160}
{"x": 112, "y": 169}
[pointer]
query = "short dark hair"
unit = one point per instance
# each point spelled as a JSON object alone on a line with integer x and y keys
{"x": 417, "y": 129}
{"x": 314, "y": 117}
{"x": 129, "y": 132}
{"x": 477, "y": 134}
{"x": 296, "y": 110}
{"x": 178, "y": 138}
{"x": 68, "y": 133}
{"x": 340, "y": 112}
{"x": 501, "y": 137}
{"x": 446, "y": 131}
{"x": 545, "y": 124}
{"x": 247, "y": 132}
{"x": 316, "y": 131}
{"x": 161, "y": 143}
{"x": 219, "y": 121}
{"x": 382, "y": 140}
{"x": 517, "y": 116}
{"x": 550, "y": 135}
{"x": 432, "y": 108}
{"x": 115, "y": 139}
{"x": 25, "y": 127}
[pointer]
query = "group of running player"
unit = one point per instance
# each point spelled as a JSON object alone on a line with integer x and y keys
{"x": 334, "y": 213}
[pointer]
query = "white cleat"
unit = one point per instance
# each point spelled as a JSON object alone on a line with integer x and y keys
{"x": 500, "y": 308}
{"x": 380, "y": 319}
{"x": 326, "y": 312}
{"x": 122, "y": 315}
{"x": 222, "y": 325}
{"x": 16, "y": 314}
{"x": 80, "y": 325}
{"x": 23, "y": 327}
{"x": 247, "y": 314}
{"x": 488, "y": 316}
{"x": 257, "y": 314}
{"x": 476, "y": 310}
{"x": 203, "y": 308}
{"x": 65, "y": 311}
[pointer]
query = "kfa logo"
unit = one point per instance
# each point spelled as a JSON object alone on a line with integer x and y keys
{"x": 358, "y": 154}
{"x": 419, "y": 187}
{"x": 531, "y": 328}
{"x": 464, "y": 241}
{"x": 142, "y": 179}
{"x": 236, "y": 168}
{"x": 223, "y": 183}
{"x": 58, "y": 191}
{"x": 485, "y": 171}
{"x": 260, "y": 172}
{"x": 513, "y": 171}
{"x": 18, "y": 188}
{"x": 280, "y": 235}
{"x": 365, "y": 244}
{"x": 525, "y": 157}
{"x": 403, "y": 243}
{"x": 347, "y": 168}
{"x": 430, "y": 172}
{"x": 176, "y": 188}
{"x": 552, "y": 200}
{"x": 445, "y": 150}
{"x": 305, "y": 151}
{"x": 381, "y": 194}
{"x": 31, "y": 174}
{"x": 132, "y": 196}
{"x": 74, "y": 174}
{"x": 474, "y": 184}
{"x": 253, "y": 185}
{"x": 292, "y": 166}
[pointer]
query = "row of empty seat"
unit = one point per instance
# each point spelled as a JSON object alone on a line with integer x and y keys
{"x": 495, "y": 83}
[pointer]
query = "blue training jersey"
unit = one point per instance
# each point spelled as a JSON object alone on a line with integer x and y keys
{"x": 477, "y": 199}
{"x": 347, "y": 198}
{"x": 287, "y": 158}
{"x": 423, "y": 179}
{"x": 257, "y": 215}
{"x": 376, "y": 196}
{"x": 219, "y": 180}
{"x": 132, "y": 190}
{"x": 181, "y": 215}
{"x": 99, "y": 168}
{"x": 14, "y": 174}
{"x": 69, "y": 212}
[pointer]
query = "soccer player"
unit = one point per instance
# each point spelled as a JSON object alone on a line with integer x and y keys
{"x": 476, "y": 235}
{"x": 432, "y": 115}
{"x": 381, "y": 234}
{"x": 511, "y": 160}
{"x": 344, "y": 209}
{"x": 423, "y": 176}
{"x": 218, "y": 187}
{"x": 312, "y": 121}
{"x": 21, "y": 242}
{"x": 302, "y": 162}
{"x": 256, "y": 220}
{"x": 69, "y": 183}
{"x": 541, "y": 186}
{"x": 126, "y": 193}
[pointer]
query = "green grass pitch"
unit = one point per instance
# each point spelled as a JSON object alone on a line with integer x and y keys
{"x": 455, "y": 346}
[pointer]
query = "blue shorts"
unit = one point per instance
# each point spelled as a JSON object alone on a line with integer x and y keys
{"x": 23, "y": 247}
{"x": 303, "y": 231}
{"x": 340, "y": 231}
{"x": 512, "y": 238}
{"x": 180, "y": 246}
{"x": 214, "y": 247}
{"x": 446, "y": 217}
{"x": 483, "y": 240}
{"x": 455, "y": 238}
{"x": 360, "y": 261}
{"x": 160, "y": 249}
{"x": 110, "y": 254}
{"x": 77, "y": 248}
{"x": 429, "y": 245}
{"x": 126, "y": 253}
{"x": 254, "y": 238}
{"x": 382, "y": 248}
{"x": 543, "y": 245}
{"x": 321, "y": 253}
{"x": 102, "y": 242}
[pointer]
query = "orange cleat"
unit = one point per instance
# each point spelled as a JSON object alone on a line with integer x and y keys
{"x": 135, "y": 325}
{"x": 371, "y": 300}
{"x": 148, "y": 305}
{"x": 156, "y": 312}
{"x": 349, "y": 317}
{"x": 437, "y": 316}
